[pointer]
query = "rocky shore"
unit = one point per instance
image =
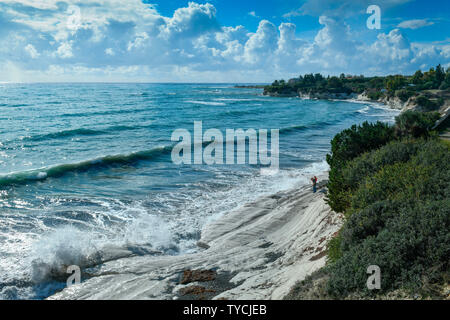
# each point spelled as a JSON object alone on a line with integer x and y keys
{"x": 411, "y": 104}
{"x": 394, "y": 102}
{"x": 256, "y": 252}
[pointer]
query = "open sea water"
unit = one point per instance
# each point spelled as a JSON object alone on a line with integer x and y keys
{"x": 86, "y": 174}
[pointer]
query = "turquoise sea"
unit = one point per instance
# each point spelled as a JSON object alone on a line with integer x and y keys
{"x": 86, "y": 173}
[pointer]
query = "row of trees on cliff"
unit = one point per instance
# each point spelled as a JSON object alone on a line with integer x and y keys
{"x": 434, "y": 78}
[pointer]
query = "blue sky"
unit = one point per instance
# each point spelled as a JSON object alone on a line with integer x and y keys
{"x": 216, "y": 40}
{"x": 235, "y": 12}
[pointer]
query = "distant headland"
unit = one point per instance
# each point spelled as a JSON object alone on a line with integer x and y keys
{"x": 423, "y": 91}
{"x": 254, "y": 86}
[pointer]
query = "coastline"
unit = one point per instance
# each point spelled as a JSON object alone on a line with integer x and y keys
{"x": 140, "y": 230}
{"x": 394, "y": 103}
{"x": 258, "y": 251}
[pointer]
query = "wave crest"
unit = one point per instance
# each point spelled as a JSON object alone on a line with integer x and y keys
{"x": 62, "y": 169}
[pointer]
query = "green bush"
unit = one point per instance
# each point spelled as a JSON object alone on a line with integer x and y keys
{"x": 391, "y": 182}
{"x": 400, "y": 219}
{"x": 428, "y": 85}
{"x": 415, "y": 123}
{"x": 411, "y": 247}
{"x": 334, "y": 249}
{"x": 348, "y": 178}
{"x": 374, "y": 95}
{"x": 403, "y": 94}
{"x": 427, "y": 104}
{"x": 421, "y": 177}
{"x": 345, "y": 146}
{"x": 345, "y": 175}
{"x": 358, "y": 139}
{"x": 366, "y": 223}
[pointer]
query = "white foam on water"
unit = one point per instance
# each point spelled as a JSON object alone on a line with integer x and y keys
{"x": 55, "y": 251}
{"x": 50, "y": 256}
{"x": 372, "y": 104}
{"x": 234, "y": 99}
{"x": 41, "y": 175}
{"x": 217, "y": 203}
{"x": 208, "y": 103}
{"x": 364, "y": 110}
{"x": 148, "y": 230}
{"x": 170, "y": 224}
{"x": 41, "y": 257}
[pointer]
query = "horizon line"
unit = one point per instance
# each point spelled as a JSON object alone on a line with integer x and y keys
{"x": 128, "y": 82}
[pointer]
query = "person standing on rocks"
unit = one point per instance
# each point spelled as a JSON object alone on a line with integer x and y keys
{"x": 314, "y": 182}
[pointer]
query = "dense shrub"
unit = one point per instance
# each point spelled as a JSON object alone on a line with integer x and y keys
{"x": 403, "y": 94}
{"x": 371, "y": 162}
{"x": 398, "y": 218}
{"x": 368, "y": 222}
{"x": 395, "y": 82}
{"x": 349, "y": 177}
{"x": 426, "y": 175}
{"x": 345, "y": 146}
{"x": 391, "y": 182}
{"x": 428, "y": 85}
{"x": 358, "y": 139}
{"x": 427, "y": 104}
{"x": 334, "y": 248}
{"x": 415, "y": 123}
{"x": 411, "y": 247}
{"x": 374, "y": 95}
{"x": 345, "y": 175}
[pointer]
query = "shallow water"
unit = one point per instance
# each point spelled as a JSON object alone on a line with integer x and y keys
{"x": 85, "y": 169}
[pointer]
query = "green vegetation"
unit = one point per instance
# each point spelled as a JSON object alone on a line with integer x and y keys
{"x": 393, "y": 186}
{"x": 345, "y": 146}
{"x": 392, "y": 183}
{"x": 427, "y": 104}
{"x": 415, "y": 124}
{"x": 376, "y": 88}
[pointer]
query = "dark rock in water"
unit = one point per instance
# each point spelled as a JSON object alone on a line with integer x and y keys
{"x": 197, "y": 275}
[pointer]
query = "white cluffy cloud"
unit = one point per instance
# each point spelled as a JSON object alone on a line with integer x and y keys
{"x": 31, "y": 51}
{"x": 415, "y": 24}
{"x": 340, "y": 8}
{"x": 65, "y": 50}
{"x": 115, "y": 40}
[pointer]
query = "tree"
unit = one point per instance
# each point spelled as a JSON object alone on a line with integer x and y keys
{"x": 440, "y": 74}
{"x": 446, "y": 83}
{"x": 309, "y": 79}
{"x": 415, "y": 123}
{"x": 318, "y": 77}
{"x": 335, "y": 82}
{"x": 430, "y": 78}
{"x": 395, "y": 83}
{"x": 417, "y": 77}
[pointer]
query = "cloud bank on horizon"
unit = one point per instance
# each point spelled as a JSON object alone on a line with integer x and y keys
{"x": 115, "y": 40}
